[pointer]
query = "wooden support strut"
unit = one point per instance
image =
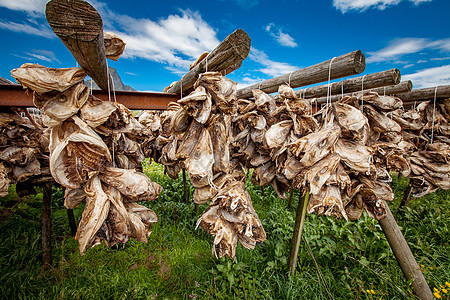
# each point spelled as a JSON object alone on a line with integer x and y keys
{"x": 345, "y": 65}
{"x": 80, "y": 28}
{"x": 46, "y": 224}
{"x": 403, "y": 86}
{"x": 442, "y": 92}
{"x": 374, "y": 80}
{"x": 298, "y": 228}
{"x": 404, "y": 256}
{"x": 225, "y": 58}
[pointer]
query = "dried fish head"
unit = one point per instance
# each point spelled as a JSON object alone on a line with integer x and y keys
{"x": 78, "y": 156}
{"x": 114, "y": 45}
{"x": 42, "y": 79}
{"x": 95, "y": 111}
{"x": 385, "y": 103}
{"x": 200, "y": 162}
{"x": 264, "y": 102}
{"x": 134, "y": 185}
{"x": 379, "y": 122}
{"x": 315, "y": 146}
{"x": 351, "y": 120}
{"x": 94, "y": 214}
{"x": 222, "y": 90}
{"x": 286, "y": 92}
{"x": 197, "y": 104}
{"x": 354, "y": 155}
{"x": 327, "y": 202}
{"x": 318, "y": 174}
{"x": 277, "y": 134}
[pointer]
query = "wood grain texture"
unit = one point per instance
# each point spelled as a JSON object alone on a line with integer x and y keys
{"x": 374, "y": 80}
{"x": 80, "y": 28}
{"x": 403, "y": 86}
{"x": 404, "y": 256}
{"x": 345, "y": 65}
{"x": 225, "y": 58}
{"x": 442, "y": 92}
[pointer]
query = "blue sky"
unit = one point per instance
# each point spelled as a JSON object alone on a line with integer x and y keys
{"x": 163, "y": 37}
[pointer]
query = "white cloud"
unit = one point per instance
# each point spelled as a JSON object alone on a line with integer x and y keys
{"x": 246, "y": 81}
{"x": 363, "y": 5}
{"x": 39, "y": 55}
{"x": 430, "y": 77}
{"x": 176, "y": 40}
{"x": 31, "y": 6}
{"x": 271, "y": 68}
{"x": 282, "y": 38}
{"x": 130, "y": 73}
{"x": 404, "y": 46}
{"x": 41, "y": 30}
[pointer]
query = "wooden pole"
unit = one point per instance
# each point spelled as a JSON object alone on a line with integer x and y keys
{"x": 80, "y": 28}
{"x": 298, "y": 228}
{"x": 291, "y": 195}
{"x": 46, "y": 227}
{"x": 406, "y": 196}
{"x": 442, "y": 92}
{"x": 403, "y": 86}
{"x": 225, "y": 58}
{"x": 72, "y": 222}
{"x": 185, "y": 195}
{"x": 404, "y": 256}
{"x": 374, "y": 80}
{"x": 344, "y": 65}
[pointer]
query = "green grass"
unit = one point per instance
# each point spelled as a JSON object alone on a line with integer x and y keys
{"x": 177, "y": 263}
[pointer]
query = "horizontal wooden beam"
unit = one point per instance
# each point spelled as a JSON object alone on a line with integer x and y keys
{"x": 442, "y": 91}
{"x": 345, "y": 65}
{"x": 368, "y": 81}
{"x": 403, "y": 86}
{"x": 16, "y": 96}
{"x": 225, "y": 58}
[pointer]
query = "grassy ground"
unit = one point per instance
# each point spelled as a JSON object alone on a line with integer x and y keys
{"x": 354, "y": 260}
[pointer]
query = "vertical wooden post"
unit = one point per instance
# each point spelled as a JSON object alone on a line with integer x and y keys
{"x": 46, "y": 227}
{"x": 298, "y": 228}
{"x": 406, "y": 196}
{"x": 72, "y": 223}
{"x": 291, "y": 195}
{"x": 404, "y": 256}
{"x": 186, "y": 194}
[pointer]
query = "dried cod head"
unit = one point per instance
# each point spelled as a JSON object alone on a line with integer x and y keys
{"x": 42, "y": 79}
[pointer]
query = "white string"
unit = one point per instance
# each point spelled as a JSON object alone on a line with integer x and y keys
{"x": 362, "y": 92}
{"x": 206, "y": 68}
{"x": 290, "y": 79}
{"x": 181, "y": 89}
{"x": 329, "y": 79}
{"x": 259, "y": 86}
{"x": 328, "y": 89}
{"x": 91, "y": 85}
{"x": 114, "y": 90}
{"x": 384, "y": 94}
{"x": 107, "y": 79}
{"x": 342, "y": 88}
{"x": 434, "y": 114}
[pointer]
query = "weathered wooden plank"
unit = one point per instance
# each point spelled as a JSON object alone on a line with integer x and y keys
{"x": 404, "y": 256}
{"x": 225, "y": 58}
{"x": 80, "y": 28}
{"x": 370, "y": 81}
{"x": 345, "y": 65}
{"x": 298, "y": 228}
{"x": 403, "y": 86}
{"x": 442, "y": 91}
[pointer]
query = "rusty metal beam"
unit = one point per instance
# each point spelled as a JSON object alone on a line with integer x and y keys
{"x": 16, "y": 96}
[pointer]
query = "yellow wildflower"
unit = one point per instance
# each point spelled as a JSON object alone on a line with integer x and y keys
{"x": 447, "y": 284}
{"x": 431, "y": 268}
{"x": 368, "y": 291}
{"x": 437, "y": 295}
{"x": 373, "y": 292}
{"x": 435, "y": 290}
{"x": 422, "y": 266}
{"x": 445, "y": 291}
